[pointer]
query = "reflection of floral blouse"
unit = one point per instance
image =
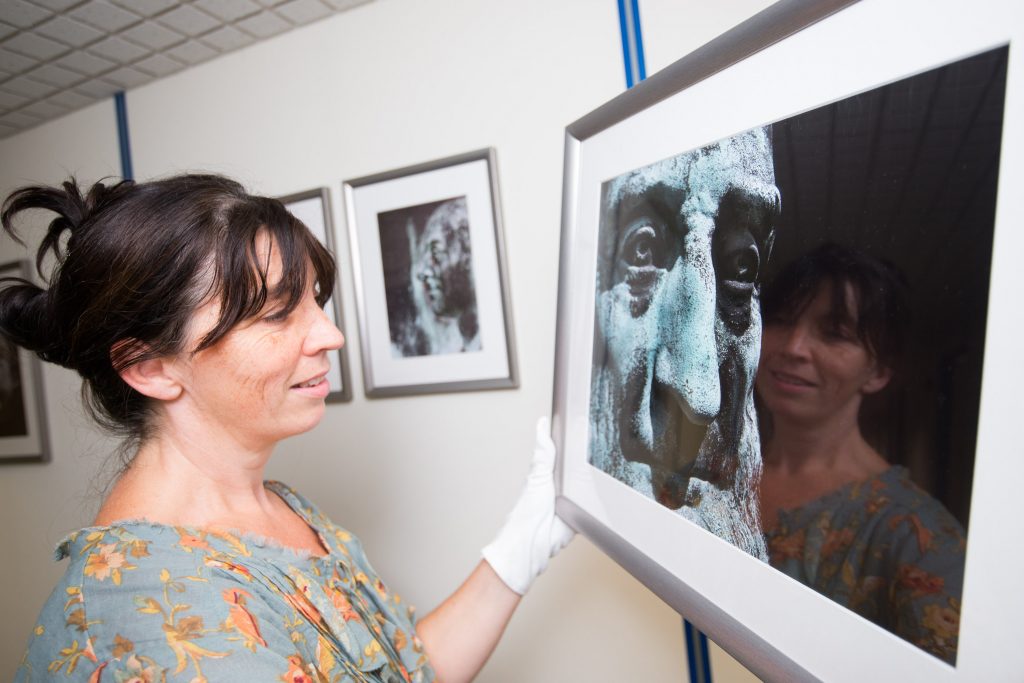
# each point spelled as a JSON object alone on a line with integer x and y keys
{"x": 885, "y": 549}
{"x": 144, "y": 602}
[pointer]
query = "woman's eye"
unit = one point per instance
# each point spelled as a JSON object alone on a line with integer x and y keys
{"x": 639, "y": 250}
{"x": 277, "y": 316}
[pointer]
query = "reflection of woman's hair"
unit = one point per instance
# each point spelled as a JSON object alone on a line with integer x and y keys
{"x": 879, "y": 294}
{"x": 133, "y": 261}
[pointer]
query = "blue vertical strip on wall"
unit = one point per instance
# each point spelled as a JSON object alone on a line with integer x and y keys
{"x": 122, "y": 136}
{"x": 698, "y": 660}
{"x": 638, "y": 41}
{"x": 636, "y": 70}
{"x": 632, "y": 42}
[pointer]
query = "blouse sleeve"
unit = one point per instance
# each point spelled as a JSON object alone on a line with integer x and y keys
{"x": 927, "y": 556}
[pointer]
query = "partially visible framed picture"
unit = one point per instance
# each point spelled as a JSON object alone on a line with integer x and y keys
{"x": 787, "y": 362}
{"x": 23, "y": 429}
{"x": 313, "y": 208}
{"x": 431, "y": 289}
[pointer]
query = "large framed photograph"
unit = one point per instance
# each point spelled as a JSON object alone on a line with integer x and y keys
{"x": 429, "y": 266}
{"x": 787, "y": 368}
{"x": 313, "y": 208}
{"x": 23, "y": 430}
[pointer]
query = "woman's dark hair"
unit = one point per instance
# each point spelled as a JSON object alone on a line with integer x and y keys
{"x": 879, "y": 293}
{"x": 132, "y": 263}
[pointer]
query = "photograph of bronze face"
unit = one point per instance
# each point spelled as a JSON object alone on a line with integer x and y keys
{"x": 428, "y": 279}
{"x": 682, "y": 243}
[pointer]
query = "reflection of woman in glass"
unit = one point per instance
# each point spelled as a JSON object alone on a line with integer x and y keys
{"x": 837, "y": 516}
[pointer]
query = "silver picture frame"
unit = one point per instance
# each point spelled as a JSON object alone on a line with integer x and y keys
{"x": 313, "y": 208}
{"x": 24, "y": 433}
{"x": 385, "y": 213}
{"x": 795, "y": 56}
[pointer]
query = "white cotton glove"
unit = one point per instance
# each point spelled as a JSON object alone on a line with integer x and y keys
{"x": 532, "y": 533}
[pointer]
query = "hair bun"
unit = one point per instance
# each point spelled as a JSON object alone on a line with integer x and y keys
{"x": 26, "y": 320}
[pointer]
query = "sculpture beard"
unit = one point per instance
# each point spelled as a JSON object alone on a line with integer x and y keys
{"x": 677, "y": 332}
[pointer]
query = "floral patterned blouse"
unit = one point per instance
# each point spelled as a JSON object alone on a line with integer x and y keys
{"x": 886, "y": 550}
{"x": 143, "y": 602}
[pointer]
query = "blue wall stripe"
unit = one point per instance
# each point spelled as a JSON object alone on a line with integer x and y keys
{"x": 639, "y": 42}
{"x": 698, "y": 661}
{"x": 122, "y": 136}
{"x": 697, "y": 657}
{"x": 632, "y": 42}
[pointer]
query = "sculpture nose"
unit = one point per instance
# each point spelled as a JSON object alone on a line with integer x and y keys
{"x": 686, "y": 364}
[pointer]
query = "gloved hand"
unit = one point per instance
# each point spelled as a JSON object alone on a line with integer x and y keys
{"x": 532, "y": 533}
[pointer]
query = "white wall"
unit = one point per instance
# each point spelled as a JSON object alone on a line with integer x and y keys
{"x": 424, "y": 481}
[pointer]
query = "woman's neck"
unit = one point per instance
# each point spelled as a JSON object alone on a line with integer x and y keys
{"x": 835, "y": 446}
{"x": 189, "y": 479}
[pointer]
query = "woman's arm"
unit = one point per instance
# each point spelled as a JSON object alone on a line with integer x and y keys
{"x": 462, "y": 632}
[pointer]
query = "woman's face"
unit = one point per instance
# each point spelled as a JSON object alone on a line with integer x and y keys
{"x": 811, "y": 370}
{"x": 265, "y": 380}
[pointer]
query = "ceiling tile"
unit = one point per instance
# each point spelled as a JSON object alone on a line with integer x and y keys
{"x": 13, "y": 63}
{"x": 147, "y": 8}
{"x": 57, "y": 5}
{"x": 19, "y": 119}
{"x": 227, "y": 38}
{"x": 302, "y": 11}
{"x": 192, "y": 52}
{"x": 70, "y": 99}
{"x": 34, "y": 45}
{"x": 97, "y": 89}
{"x": 345, "y": 4}
{"x": 55, "y": 75}
{"x": 22, "y": 14}
{"x": 153, "y": 35}
{"x": 117, "y": 49}
{"x": 10, "y": 100}
{"x": 6, "y": 30}
{"x": 228, "y": 10}
{"x": 159, "y": 65}
{"x": 188, "y": 20}
{"x": 126, "y": 77}
{"x": 44, "y": 109}
{"x": 105, "y": 16}
{"x": 29, "y": 87}
{"x": 86, "y": 63}
{"x": 264, "y": 24}
{"x": 69, "y": 31}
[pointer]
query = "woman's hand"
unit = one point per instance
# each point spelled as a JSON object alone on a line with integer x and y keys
{"x": 532, "y": 533}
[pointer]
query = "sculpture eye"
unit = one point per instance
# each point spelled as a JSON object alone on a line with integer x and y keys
{"x": 741, "y": 266}
{"x": 640, "y": 246}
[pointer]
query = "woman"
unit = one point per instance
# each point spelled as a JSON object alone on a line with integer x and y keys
{"x": 193, "y": 312}
{"x": 837, "y": 515}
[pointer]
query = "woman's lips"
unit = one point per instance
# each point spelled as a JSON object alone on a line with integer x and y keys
{"x": 318, "y": 387}
{"x": 788, "y": 380}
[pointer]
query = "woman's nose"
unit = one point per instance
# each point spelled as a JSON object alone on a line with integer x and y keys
{"x": 324, "y": 335}
{"x": 795, "y": 341}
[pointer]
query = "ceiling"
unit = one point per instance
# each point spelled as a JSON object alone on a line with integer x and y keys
{"x": 60, "y": 55}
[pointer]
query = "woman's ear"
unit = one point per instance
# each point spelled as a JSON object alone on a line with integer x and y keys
{"x": 878, "y": 380}
{"x": 152, "y": 377}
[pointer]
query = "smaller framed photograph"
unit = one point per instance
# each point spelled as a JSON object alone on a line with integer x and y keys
{"x": 23, "y": 433}
{"x": 313, "y": 208}
{"x": 428, "y": 258}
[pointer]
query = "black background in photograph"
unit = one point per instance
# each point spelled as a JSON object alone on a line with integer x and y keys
{"x": 907, "y": 172}
{"x": 12, "y": 399}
